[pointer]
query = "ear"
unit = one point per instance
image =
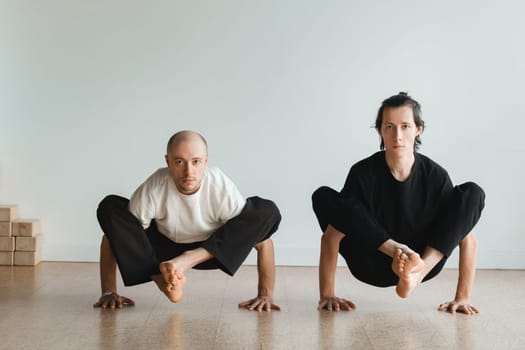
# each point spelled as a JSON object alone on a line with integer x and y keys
{"x": 167, "y": 160}
{"x": 419, "y": 130}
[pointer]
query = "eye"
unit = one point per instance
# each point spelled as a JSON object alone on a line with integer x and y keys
{"x": 196, "y": 161}
{"x": 179, "y": 162}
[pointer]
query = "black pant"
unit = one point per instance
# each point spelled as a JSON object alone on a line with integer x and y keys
{"x": 138, "y": 252}
{"x": 363, "y": 235}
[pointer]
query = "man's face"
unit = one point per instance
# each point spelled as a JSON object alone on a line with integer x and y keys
{"x": 399, "y": 130}
{"x": 187, "y": 161}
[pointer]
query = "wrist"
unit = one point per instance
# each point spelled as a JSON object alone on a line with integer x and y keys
{"x": 105, "y": 294}
{"x": 326, "y": 290}
{"x": 264, "y": 292}
{"x": 462, "y": 298}
{"x": 328, "y": 294}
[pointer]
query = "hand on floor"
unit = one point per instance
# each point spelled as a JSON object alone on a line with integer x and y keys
{"x": 335, "y": 304}
{"x": 260, "y": 303}
{"x": 458, "y": 306}
{"x": 112, "y": 301}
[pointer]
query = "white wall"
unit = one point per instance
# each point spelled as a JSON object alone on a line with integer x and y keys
{"x": 285, "y": 92}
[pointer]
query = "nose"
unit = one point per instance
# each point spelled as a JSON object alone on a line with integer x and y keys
{"x": 398, "y": 133}
{"x": 188, "y": 169}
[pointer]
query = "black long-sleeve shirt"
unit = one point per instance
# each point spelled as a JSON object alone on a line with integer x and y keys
{"x": 404, "y": 210}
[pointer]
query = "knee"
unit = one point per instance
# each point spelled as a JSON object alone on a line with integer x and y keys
{"x": 266, "y": 209}
{"x": 108, "y": 203}
{"x": 107, "y": 207}
{"x": 474, "y": 193}
{"x": 321, "y": 195}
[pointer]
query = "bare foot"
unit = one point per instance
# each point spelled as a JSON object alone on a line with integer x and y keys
{"x": 170, "y": 273}
{"x": 408, "y": 268}
{"x": 174, "y": 293}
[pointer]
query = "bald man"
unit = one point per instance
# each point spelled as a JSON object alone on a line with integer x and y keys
{"x": 187, "y": 215}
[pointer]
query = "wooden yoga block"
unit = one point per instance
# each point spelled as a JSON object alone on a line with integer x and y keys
{"x": 6, "y": 258}
{"x": 8, "y": 212}
{"x": 5, "y": 229}
{"x": 7, "y": 244}
{"x": 28, "y": 244}
{"x": 26, "y": 227}
{"x": 27, "y": 258}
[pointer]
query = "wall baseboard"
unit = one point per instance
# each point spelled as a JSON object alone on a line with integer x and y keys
{"x": 297, "y": 256}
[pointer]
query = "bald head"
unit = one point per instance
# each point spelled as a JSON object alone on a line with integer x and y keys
{"x": 186, "y": 136}
{"x": 187, "y": 159}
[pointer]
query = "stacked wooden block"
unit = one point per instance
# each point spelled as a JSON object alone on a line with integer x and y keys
{"x": 20, "y": 242}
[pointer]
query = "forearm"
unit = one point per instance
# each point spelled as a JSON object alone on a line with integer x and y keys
{"x": 467, "y": 267}
{"x": 266, "y": 268}
{"x": 108, "y": 268}
{"x": 328, "y": 263}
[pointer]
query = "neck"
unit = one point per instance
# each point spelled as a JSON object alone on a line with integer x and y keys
{"x": 400, "y": 165}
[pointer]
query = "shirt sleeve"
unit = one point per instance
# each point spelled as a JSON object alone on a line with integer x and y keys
{"x": 232, "y": 201}
{"x": 355, "y": 185}
{"x": 142, "y": 206}
{"x": 357, "y": 193}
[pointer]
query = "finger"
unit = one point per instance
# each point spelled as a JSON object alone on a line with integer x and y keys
{"x": 276, "y": 307}
{"x": 464, "y": 309}
{"x": 329, "y": 306}
{"x": 469, "y": 310}
{"x": 128, "y": 301}
{"x": 345, "y": 307}
{"x": 336, "y": 306}
{"x": 268, "y": 307}
{"x": 452, "y": 308}
{"x": 322, "y": 304}
{"x": 255, "y": 304}
{"x": 262, "y": 306}
{"x": 443, "y": 306}
{"x": 349, "y": 303}
{"x": 245, "y": 303}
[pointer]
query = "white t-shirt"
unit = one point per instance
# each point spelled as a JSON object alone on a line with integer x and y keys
{"x": 186, "y": 218}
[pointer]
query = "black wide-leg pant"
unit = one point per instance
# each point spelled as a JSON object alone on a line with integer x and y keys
{"x": 138, "y": 252}
{"x": 364, "y": 235}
